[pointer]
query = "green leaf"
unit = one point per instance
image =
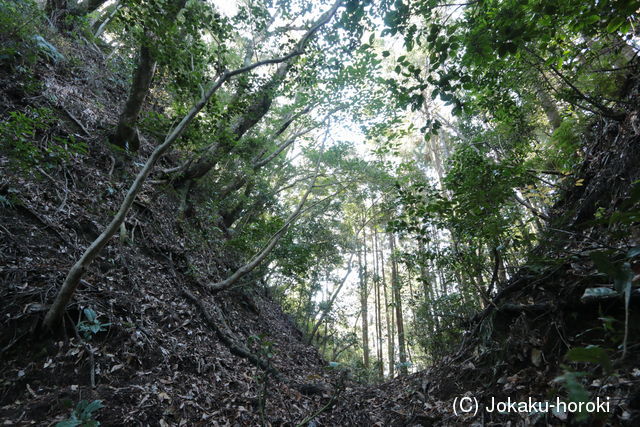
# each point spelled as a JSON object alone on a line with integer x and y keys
{"x": 93, "y": 406}
{"x": 622, "y": 280}
{"x": 615, "y": 23}
{"x": 633, "y": 252}
{"x": 591, "y": 19}
{"x": 386, "y": 53}
{"x": 90, "y": 314}
{"x": 598, "y": 292}
{"x": 602, "y": 261}
{"x": 590, "y": 354}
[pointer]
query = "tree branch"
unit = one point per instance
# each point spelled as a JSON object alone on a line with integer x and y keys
{"x": 56, "y": 311}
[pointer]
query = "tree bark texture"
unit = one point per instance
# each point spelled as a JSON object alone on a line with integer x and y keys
{"x": 395, "y": 284}
{"x": 126, "y": 133}
{"x": 364, "y": 304}
{"x": 54, "y": 314}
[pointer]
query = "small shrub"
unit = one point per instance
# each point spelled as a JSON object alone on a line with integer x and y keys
{"x": 19, "y": 21}
{"x": 83, "y": 415}
{"x": 91, "y": 326}
{"x": 27, "y": 140}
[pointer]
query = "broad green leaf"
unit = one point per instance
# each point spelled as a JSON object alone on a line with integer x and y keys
{"x": 615, "y": 23}
{"x": 590, "y": 354}
{"x": 633, "y": 252}
{"x": 599, "y": 292}
{"x": 602, "y": 261}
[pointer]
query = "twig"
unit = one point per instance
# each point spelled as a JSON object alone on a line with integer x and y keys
{"x": 12, "y": 343}
{"x": 66, "y": 193}
{"x": 325, "y": 407}
{"x": 225, "y": 335}
{"x": 76, "y": 121}
{"x": 87, "y": 346}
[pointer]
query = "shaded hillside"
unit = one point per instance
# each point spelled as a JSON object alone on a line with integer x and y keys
{"x": 305, "y": 240}
{"x": 518, "y": 347}
{"x": 155, "y": 359}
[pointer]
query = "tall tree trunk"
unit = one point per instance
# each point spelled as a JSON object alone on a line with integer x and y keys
{"x": 395, "y": 285}
{"x": 363, "y": 302}
{"x": 126, "y": 133}
{"x": 54, "y": 314}
{"x": 378, "y": 303}
{"x": 430, "y": 298}
{"x": 501, "y": 273}
{"x": 227, "y": 135}
{"x": 549, "y": 107}
{"x": 388, "y": 314}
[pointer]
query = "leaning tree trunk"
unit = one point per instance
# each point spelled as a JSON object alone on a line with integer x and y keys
{"x": 57, "y": 10}
{"x": 262, "y": 100}
{"x": 330, "y": 302}
{"x": 100, "y": 23}
{"x": 126, "y": 133}
{"x": 54, "y": 315}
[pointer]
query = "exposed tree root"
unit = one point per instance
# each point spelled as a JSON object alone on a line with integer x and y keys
{"x": 216, "y": 321}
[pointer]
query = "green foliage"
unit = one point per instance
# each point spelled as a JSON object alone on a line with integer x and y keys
{"x": 562, "y": 152}
{"x": 590, "y": 354}
{"x": 83, "y": 415}
{"x": 576, "y": 390}
{"x": 185, "y": 42}
{"x": 488, "y": 56}
{"x": 92, "y": 325}
{"x": 29, "y": 142}
{"x": 19, "y": 24}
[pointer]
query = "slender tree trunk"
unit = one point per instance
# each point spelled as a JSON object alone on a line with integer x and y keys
{"x": 100, "y": 24}
{"x": 502, "y": 275}
{"x": 388, "y": 314}
{"x": 430, "y": 298}
{"x": 363, "y": 303}
{"x": 326, "y": 338}
{"x": 395, "y": 284}
{"x": 549, "y": 107}
{"x": 126, "y": 133}
{"x": 54, "y": 314}
{"x": 271, "y": 244}
{"x": 378, "y": 303}
{"x": 331, "y": 300}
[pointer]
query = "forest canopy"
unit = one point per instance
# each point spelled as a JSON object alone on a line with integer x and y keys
{"x": 385, "y": 171}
